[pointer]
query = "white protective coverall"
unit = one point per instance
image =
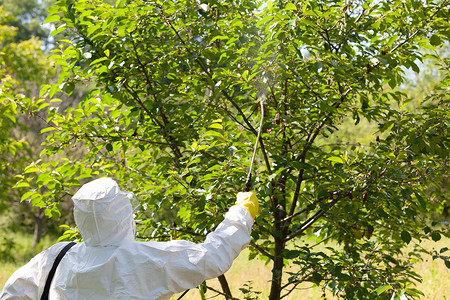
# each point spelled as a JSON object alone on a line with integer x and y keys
{"x": 110, "y": 264}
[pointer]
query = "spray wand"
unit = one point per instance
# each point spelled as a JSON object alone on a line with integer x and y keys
{"x": 248, "y": 182}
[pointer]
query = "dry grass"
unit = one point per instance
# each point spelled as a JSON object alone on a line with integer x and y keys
{"x": 435, "y": 275}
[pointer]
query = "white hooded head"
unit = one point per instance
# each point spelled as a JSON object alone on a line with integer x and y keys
{"x": 104, "y": 213}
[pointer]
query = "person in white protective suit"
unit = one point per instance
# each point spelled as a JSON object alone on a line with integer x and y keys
{"x": 110, "y": 264}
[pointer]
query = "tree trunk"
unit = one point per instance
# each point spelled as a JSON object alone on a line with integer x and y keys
{"x": 277, "y": 270}
{"x": 225, "y": 287}
{"x": 279, "y": 235}
{"x": 37, "y": 228}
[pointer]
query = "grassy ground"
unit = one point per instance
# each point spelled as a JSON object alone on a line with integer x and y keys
{"x": 436, "y": 277}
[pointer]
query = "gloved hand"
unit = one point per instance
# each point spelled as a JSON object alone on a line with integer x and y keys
{"x": 249, "y": 201}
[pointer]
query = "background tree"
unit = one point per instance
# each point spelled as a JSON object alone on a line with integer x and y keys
{"x": 26, "y": 16}
{"x": 9, "y": 146}
{"x": 24, "y": 66}
{"x": 174, "y": 112}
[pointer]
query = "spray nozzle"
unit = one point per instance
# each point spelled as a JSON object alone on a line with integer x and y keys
{"x": 248, "y": 183}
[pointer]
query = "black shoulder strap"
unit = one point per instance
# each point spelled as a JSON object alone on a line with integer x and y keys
{"x": 53, "y": 270}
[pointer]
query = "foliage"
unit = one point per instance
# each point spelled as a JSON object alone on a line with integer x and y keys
{"x": 26, "y": 16}
{"x": 10, "y": 147}
{"x": 24, "y": 65}
{"x": 248, "y": 291}
{"x": 173, "y": 113}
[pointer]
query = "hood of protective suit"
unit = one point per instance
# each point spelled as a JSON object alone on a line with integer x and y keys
{"x": 104, "y": 213}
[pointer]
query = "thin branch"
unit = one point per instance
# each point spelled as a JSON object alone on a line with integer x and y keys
{"x": 311, "y": 221}
{"x": 167, "y": 136}
{"x": 143, "y": 68}
{"x": 310, "y": 279}
{"x": 153, "y": 142}
{"x": 324, "y": 240}
{"x": 444, "y": 4}
{"x": 290, "y": 217}
{"x": 295, "y": 283}
{"x": 296, "y": 194}
{"x": 261, "y": 250}
{"x": 233, "y": 118}
{"x": 122, "y": 138}
{"x": 126, "y": 166}
{"x": 216, "y": 291}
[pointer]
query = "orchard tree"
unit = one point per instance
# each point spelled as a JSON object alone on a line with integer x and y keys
{"x": 173, "y": 114}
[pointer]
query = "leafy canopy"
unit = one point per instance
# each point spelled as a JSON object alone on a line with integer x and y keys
{"x": 172, "y": 113}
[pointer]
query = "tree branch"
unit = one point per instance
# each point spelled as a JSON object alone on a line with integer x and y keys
{"x": 261, "y": 250}
{"x": 311, "y": 221}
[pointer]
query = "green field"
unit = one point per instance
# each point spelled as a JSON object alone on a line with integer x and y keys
{"x": 436, "y": 277}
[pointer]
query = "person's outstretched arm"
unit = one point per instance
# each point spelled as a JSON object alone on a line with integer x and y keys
{"x": 186, "y": 264}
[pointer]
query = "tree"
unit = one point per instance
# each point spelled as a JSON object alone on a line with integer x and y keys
{"x": 174, "y": 115}
{"x": 26, "y": 16}
{"x": 24, "y": 66}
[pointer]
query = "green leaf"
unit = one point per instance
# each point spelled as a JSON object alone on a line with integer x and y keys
{"x": 245, "y": 75}
{"x": 44, "y": 89}
{"x": 414, "y": 67}
{"x": 291, "y": 254}
{"x": 435, "y": 40}
{"x": 109, "y": 147}
{"x": 53, "y": 90}
{"x": 22, "y": 184}
{"x": 58, "y": 30}
{"x": 381, "y": 289}
{"x": 70, "y": 86}
{"x": 219, "y": 37}
{"x": 392, "y": 82}
{"x": 298, "y": 165}
{"x": 213, "y": 133}
{"x": 422, "y": 202}
{"x": 317, "y": 277}
{"x": 406, "y": 237}
{"x": 51, "y": 18}
{"x": 48, "y": 129}
{"x": 414, "y": 292}
{"x": 436, "y": 236}
{"x": 31, "y": 169}
{"x": 318, "y": 66}
{"x": 216, "y": 126}
{"x": 27, "y": 195}
{"x": 391, "y": 40}
{"x": 336, "y": 159}
{"x": 290, "y": 6}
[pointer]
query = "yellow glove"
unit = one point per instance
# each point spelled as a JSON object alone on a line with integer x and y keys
{"x": 249, "y": 201}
